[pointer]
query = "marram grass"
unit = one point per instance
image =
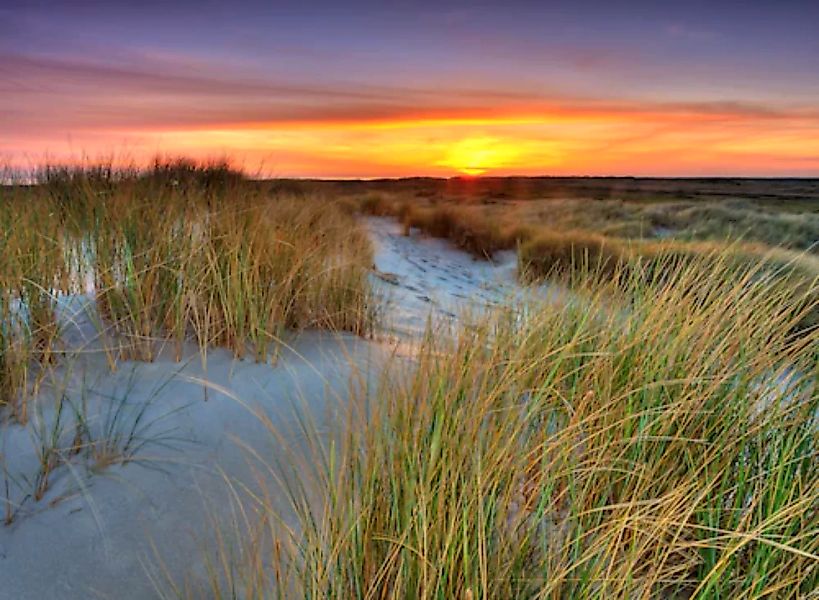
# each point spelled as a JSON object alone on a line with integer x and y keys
{"x": 179, "y": 252}
{"x": 555, "y": 237}
{"x": 653, "y": 439}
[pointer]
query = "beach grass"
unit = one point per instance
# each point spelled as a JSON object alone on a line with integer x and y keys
{"x": 654, "y": 438}
{"x": 175, "y": 252}
{"x": 555, "y": 236}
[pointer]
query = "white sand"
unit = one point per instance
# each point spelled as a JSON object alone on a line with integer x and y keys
{"x": 97, "y": 543}
{"x": 91, "y": 535}
{"x": 430, "y": 277}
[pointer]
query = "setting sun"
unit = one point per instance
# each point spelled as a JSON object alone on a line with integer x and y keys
{"x": 475, "y": 156}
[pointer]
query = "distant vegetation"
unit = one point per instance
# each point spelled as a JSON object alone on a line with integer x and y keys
{"x": 609, "y": 227}
{"x": 777, "y": 213}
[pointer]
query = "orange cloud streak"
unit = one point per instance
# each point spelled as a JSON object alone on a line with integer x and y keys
{"x": 526, "y": 139}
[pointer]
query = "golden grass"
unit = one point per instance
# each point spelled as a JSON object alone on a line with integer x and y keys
{"x": 464, "y": 227}
{"x": 771, "y": 212}
{"x": 176, "y": 253}
{"x": 556, "y": 237}
{"x": 665, "y": 447}
{"x": 548, "y": 252}
{"x": 654, "y": 438}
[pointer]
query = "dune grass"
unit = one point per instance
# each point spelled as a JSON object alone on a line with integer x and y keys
{"x": 483, "y": 229}
{"x": 656, "y": 439}
{"x": 549, "y": 252}
{"x": 553, "y": 237}
{"x": 177, "y": 252}
{"x": 782, "y": 213}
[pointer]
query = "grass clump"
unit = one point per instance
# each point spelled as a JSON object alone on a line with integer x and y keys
{"x": 377, "y": 205}
{"x": 550, "y": 252}
{"x": 177, "y": 252}
{"x": 666, "y": 448}
{"x": 463, "y": 226}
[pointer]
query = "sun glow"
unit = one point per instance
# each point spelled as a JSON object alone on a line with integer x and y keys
{"x": 475, "y": 156}
{"x": 621, "y": 143}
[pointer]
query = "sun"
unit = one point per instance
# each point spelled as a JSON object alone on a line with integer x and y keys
{"x": 477, "y": 155}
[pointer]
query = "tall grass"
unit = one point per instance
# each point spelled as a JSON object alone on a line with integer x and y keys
{"x": 31, "y": 269}
{"x": 178, "y": 252}
{"x": 83, "y": 429}
{"x": 662, "y": 446}
{"x": 549, "y": 252}
{"x": 463, "y": 226}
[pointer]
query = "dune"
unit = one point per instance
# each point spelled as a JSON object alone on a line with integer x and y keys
{"x": 202, "y": 423}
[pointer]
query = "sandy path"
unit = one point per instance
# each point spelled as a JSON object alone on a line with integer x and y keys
{"x": 422, "y": 276}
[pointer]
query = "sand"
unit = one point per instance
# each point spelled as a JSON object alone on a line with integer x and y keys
{"x": 94, "y": 532}
{"x": 424, "y": 277}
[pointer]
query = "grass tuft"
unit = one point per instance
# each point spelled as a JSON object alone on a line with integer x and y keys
{"x": 177, "y": 252}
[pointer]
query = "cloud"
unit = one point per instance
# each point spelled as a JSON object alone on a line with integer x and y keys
{"x": 155, "y": 101}
{"x": 41, "y": 93}
{"x": 53, "y": 73}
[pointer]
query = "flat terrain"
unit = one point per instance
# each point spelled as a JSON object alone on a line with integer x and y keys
{"x": 784, "y": 193}
{"x": 781, "y": 212}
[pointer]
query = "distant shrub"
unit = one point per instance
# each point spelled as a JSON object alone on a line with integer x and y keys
{"x": 375, "y": 204}
{"x": 549, "y": 252}
{"x": 465, "y": 228}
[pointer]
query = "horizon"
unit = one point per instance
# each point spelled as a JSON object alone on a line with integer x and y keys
{"x": 399, "y": 90}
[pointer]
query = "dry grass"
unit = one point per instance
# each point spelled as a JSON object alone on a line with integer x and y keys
{"x": 655, "y": 438}
{"x": 462, "y": 225}
{"x": 663, "y": 448}
{"x": 177, "y": 252}
{"x": 547, "y": 253}
{"x": 772, "y": 212}
{"x": 557, "y": 236}
{"x": 781, "y": 214}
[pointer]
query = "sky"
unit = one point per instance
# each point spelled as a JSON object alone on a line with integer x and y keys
{"x": 391, "y": 89}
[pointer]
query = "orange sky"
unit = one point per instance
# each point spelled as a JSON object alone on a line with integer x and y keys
{"x": 405, "y": 89}
{"x": 558, "y": 141}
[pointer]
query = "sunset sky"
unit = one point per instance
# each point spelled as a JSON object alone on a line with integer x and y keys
{"x": 352, "y": 89}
